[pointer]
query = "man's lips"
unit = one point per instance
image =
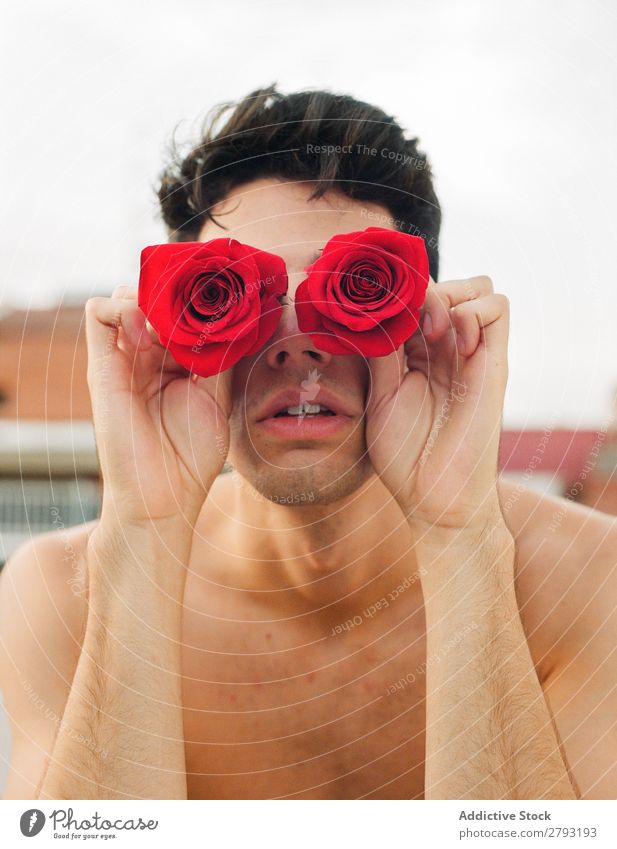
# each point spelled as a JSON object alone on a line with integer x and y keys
{"x": 307, "y": 425}
{"x": 295, "y": 397}
{"x": 301, "y": 428}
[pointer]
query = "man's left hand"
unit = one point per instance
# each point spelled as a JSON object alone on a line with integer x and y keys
{"x": 434, "y": 409}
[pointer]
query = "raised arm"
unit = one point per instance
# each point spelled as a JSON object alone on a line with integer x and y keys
{"x": 433, "y": 428}
{"x": 490, "y": 734}
{"x": 121, "y": 731}
{"x": 161, "y": 440}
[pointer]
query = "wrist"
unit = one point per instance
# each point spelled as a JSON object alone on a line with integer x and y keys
{"x": 132, "y": 555}
{"x": 474, "y": 553}
{"x": 135, "y": 599}
{"x": 132, "y": 512}
{"x": 472, "y": 528}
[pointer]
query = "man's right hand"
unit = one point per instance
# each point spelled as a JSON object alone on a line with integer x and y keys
{"x": 162, "y": 437}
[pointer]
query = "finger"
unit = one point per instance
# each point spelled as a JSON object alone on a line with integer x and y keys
{"x": 482, "y": 368}
{"x": 108, "y": 367}
{"x": 386, "y": 375}
{"x": 481, "y": 328}
{"x": 427, "y": 321}
{"x": 218, "y": 387}
{"x": 131, "y": 293}
{"x": 483, "y": 319}
{"x": 105, "y": 318}
{"x": 149, "y": 336}
{"x": 153, "y": 334}
{"x": 416, "y": 351}
{"x": 134, "y": 327}
{"x": 440, "y": 299}
{"x": 125, "y": 292}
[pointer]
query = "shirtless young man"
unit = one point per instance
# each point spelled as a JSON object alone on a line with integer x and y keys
{"x": 365, "y": 613}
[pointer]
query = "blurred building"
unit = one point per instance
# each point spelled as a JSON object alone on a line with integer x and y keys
{"x": 580, "y": 465}
{"x": 48, "y": 464}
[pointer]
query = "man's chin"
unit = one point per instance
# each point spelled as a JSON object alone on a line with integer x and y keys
{"x": 309, "y": 485}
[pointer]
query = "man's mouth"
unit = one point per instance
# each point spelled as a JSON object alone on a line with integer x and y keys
{"x": 289, "y": 416}
{"x": 305, "y": 409}
{"x": 293, "y": 402}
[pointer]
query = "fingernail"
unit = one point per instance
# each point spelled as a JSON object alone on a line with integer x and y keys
{"x": 460, "y": 343}
{"x": 427, "y": 326}
{"x": 144, "y": 342}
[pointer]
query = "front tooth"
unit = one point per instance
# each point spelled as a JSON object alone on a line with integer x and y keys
{"x": 303, "y": 409}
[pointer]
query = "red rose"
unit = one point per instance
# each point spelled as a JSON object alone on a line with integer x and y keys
{"x": 363, "y": 295}
{"x": 211, "y": 303}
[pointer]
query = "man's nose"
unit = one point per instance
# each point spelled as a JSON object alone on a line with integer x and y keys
{"x": 289, "y": 346}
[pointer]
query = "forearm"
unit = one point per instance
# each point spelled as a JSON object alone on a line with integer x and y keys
{"x": 121, "y": 734}
{"x": 489, "y": 731}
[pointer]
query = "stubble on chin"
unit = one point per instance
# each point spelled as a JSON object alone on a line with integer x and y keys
{"x": 321, "y": 484}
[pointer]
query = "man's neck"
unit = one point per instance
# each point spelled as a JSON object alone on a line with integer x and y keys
{"x": 343, "y": 556}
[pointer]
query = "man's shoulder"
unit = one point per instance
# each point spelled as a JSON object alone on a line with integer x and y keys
{"x": 566, "y": 559}
{"x": 57, "y": 558}
{"x": 55, "y": 555}
{"x": 43, "y": 612}
{"x": 43, "y": 587}
{"x": 566, "y": 588}
{"x": 550, "y": 530}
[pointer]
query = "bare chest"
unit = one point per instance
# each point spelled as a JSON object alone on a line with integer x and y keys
{"x": 275, "y": 710}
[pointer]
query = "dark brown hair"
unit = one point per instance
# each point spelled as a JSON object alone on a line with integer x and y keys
{"x": 330, "y": 139}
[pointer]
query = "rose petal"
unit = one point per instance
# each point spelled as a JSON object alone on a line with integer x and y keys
{"x": 381, "y": 340}
{"x": 376, "y": 258}
{"x": 212, "y": 358}
{"x": 207, "y": 333}
{"x": 270, "y": 317}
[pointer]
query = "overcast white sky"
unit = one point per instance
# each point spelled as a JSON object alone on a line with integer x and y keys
{"x": 515, "y": 103}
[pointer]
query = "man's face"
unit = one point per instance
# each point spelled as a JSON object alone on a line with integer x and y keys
{"x": 307, "y": 458}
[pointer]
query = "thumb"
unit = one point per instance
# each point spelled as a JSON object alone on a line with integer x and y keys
{"x": 386, "y": 376}
{"x": 218, "y": 387}
{"x": 208, "y": 410}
